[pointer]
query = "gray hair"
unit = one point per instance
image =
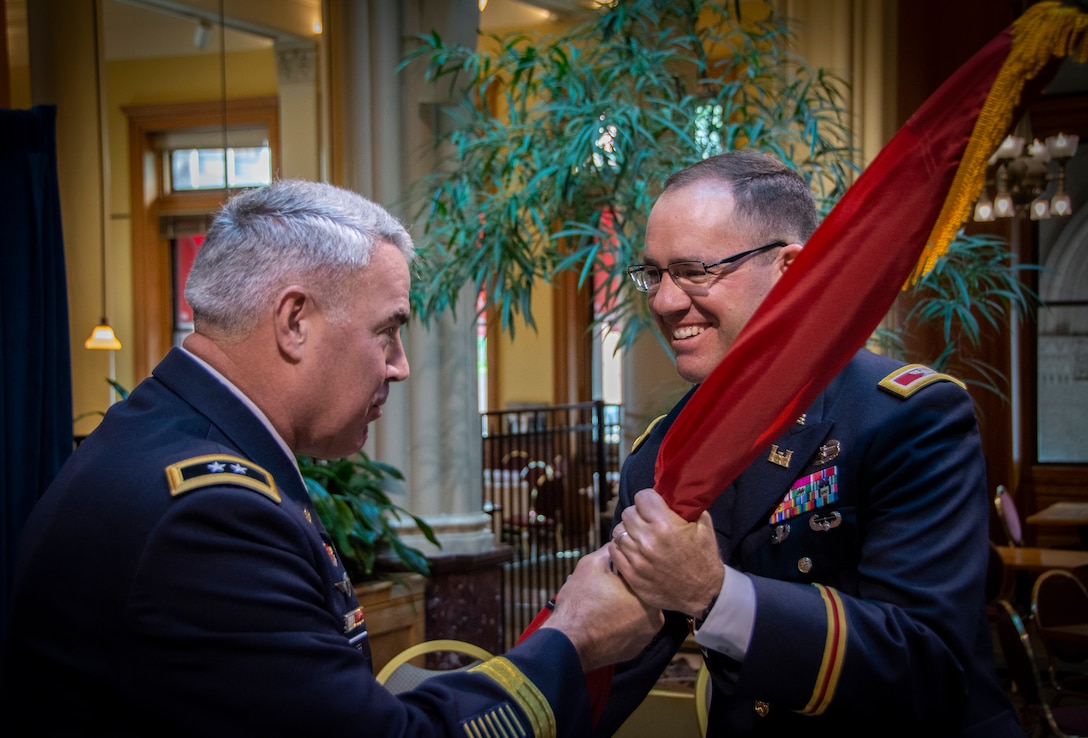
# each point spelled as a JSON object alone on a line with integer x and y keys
{"x": 265, "y": 239}
{"x": 772, "y": 201}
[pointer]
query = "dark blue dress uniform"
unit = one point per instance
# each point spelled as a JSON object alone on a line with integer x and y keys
{"x": 864, "y": 529}
{"x": 175, "y": 580}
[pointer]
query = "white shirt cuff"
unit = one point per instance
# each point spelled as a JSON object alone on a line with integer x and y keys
{"x": 728, "y": 627}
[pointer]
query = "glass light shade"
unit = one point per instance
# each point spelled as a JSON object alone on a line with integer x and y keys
{"x": 1040, "y": 209}
{"x": 1061, "y": 205}
{"x": 102, "y": 337}
{"x": 984, "y": 210}
{"x": 1010, "y": 148}
{"x": 1003, "y": 206}
{"x": 1039, "y": 150}
{"x": 1063, "y": 145}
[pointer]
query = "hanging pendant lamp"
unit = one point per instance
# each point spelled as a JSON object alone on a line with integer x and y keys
{"x": 102, "y": 337}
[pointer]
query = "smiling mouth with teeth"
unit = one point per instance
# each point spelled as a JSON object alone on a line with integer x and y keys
{"x": 687, "y": 332}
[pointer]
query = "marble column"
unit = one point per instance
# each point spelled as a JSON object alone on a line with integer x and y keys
{"x": 431, "y": 426}
{"x": 296, "y": 72}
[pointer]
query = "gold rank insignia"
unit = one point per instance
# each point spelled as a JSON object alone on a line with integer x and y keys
{"x": 907, "y": 380}
{"x": 782, "y": 458}
{"x": 217, "y": 470}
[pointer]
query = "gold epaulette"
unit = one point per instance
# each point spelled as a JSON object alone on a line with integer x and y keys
{"x": 220, "y": 469}
{"x": 907, "y": 380}
{"x": 638, "y": 441}
{"x": 530, "y": 699}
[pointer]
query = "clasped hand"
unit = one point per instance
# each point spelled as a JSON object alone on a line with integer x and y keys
{"x": 600, "y": 614}
{"x": 670, "y": 563}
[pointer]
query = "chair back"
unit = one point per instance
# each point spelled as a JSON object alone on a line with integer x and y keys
{"x": 545, "y": 491}
{"x": 401, "y": 675}
{"x": 1037, "y": 715}
{"x": 514, "y": 460}
{"x": 1059, "y": 599}
{"x": 1020, "y": 661}
{"x": 703, "y": 688}
{"x": 1019, "y": 655}
{"x": 1009, "y": 516}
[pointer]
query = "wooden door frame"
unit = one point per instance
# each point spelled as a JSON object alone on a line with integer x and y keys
{"x": 572, "y": 341}
{"x": 152, "y": 273}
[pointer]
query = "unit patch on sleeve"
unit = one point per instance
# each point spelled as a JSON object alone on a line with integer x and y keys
{"x": 217, "y": 470}
{"x": 906, "y": 381}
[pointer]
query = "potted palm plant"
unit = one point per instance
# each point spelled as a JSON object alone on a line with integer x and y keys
{"x": 351, "y": 497}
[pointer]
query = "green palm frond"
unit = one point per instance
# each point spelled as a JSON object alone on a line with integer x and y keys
{"x": 351, "y": 497}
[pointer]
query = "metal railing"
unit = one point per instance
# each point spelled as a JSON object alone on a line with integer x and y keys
{"x": 549, "y": 475}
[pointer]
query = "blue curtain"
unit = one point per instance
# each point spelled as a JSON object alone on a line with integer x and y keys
{"x": 35, "y": 362}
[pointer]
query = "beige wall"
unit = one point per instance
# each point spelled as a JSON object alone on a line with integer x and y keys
{"x": 525, "y": 363}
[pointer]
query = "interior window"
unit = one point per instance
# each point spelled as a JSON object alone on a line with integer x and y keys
{"x": 202, "y": 169}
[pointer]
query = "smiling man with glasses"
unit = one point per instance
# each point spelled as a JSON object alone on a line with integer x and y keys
{"x": 701, "y": 231}
{"x": 836, "y": 587}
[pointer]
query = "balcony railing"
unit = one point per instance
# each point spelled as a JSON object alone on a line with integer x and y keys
{"x": 549, "y": 475}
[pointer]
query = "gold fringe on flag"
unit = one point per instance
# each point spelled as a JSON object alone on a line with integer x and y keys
{"x": 1046, "y": 30}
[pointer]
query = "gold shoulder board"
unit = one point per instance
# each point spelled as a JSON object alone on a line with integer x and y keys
{"x": 907, "y": 380}
{"x": 639, "y": 441}
{"x": 220, "y": 469}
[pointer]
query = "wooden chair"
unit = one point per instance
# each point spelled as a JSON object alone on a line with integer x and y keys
{"x": 1059, "y": 606}
{"x": 515, "y": 460}
{"x": 539, "y": 527}
{"x": 401, "y": 675}
{"x": 1037, "y": 716}
{"x": 1024, "y": 563}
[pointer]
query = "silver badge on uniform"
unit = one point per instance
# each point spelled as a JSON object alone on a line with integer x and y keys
{"x": 827, "y": 453}
{"x": 824, "y": 522}
{"x": 344, "y": 585}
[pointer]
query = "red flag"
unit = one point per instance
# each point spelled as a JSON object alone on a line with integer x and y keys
{"x": 866, "y": 250}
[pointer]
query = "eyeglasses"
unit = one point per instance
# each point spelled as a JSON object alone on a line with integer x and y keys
{"x": 687, "y": 274}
